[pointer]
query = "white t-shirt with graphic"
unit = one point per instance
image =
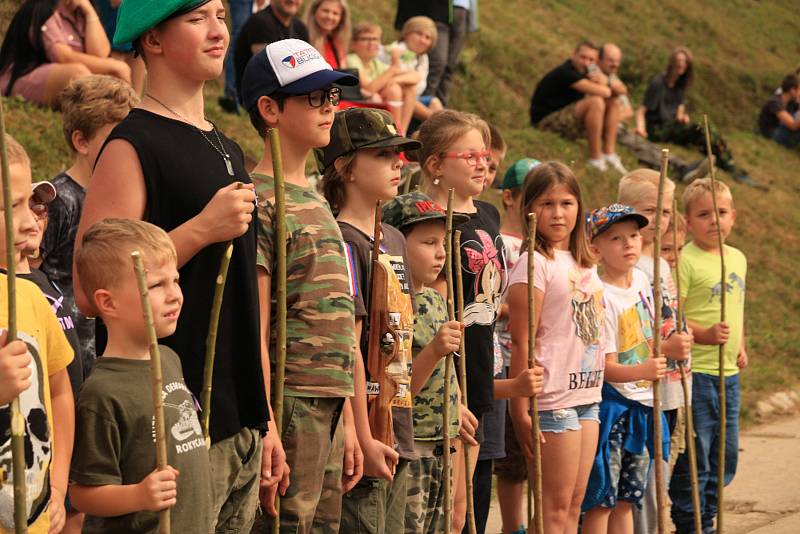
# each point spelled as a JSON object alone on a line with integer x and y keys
{"x": 629, "y": 331}
{"x": 511, "y": 244}
{"x": 569, "y": 339}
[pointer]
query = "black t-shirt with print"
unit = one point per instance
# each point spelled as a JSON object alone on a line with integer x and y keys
{"x": 555, "y": 91}
{"x": 483, "y": 272}
{"x": 401, "y": 302}
{"x": 182, "y": 173}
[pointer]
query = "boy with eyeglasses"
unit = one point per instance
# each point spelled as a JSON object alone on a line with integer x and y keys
{"x": 289, "y": 86}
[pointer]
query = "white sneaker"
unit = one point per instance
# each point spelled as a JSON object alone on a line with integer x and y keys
{"x": 615, "y": 163}
{"x": 597, "y": 164}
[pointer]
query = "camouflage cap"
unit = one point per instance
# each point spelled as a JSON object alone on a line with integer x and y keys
{"x": 414, "y": 207}
{"x": 356, "y": 128}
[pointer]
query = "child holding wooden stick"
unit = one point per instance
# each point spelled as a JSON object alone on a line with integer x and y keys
{"x": 619, "y": 475}
{"x": 34, "y": 368}
{"x": 700, "y": 295}
{"x": 361, "y": 166}
{"x": 569, "y": 310}
{"x": 112, "y": 477}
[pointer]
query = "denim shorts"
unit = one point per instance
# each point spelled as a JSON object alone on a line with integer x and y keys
{"x": 563, "y": 419}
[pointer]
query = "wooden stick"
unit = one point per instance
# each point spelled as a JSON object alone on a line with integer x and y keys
{"x": 448, "y": 366}
{"x": 462, "y": 373}
{"x": 687, "y": 398}
{"x": 723, "y": 414}
{"x": 17, "y": 421}
{"x": 211, "y": 341}
{"x": 157, "y": 380}
{"x": 280, "y": 295}
{"x": 538, "y": 515}
{"x": 661, "y": 505}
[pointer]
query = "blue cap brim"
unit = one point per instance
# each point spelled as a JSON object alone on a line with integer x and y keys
{"x": 318, "y": 80}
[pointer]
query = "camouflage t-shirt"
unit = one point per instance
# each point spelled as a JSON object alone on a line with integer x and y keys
{"x": 320, "y": 319}
{"x": 431, "y": 314}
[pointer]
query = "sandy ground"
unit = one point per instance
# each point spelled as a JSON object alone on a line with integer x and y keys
{"x": 764, "y": 498}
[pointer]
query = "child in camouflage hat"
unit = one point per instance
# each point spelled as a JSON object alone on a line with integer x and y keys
{"x": 361, "y": 167}
{"x": 422, "y": 222}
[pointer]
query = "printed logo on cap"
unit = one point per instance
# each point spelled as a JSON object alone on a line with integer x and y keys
{"x": 289, "y": 61}
{"x": 293, "y": 59}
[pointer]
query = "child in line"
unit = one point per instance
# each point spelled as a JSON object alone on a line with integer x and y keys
{"x": 33, "y": 368}
{"x": 361, "y": 166}
{"x": 319, "y": 437}
{"x": 114, "y": 479}
{"x": 382, "y": 82}
{"x": 90, "y": 108}
{"x": 639, "y": 190}
{"x": 700, "y": 294}
{"x": 181, "y": 173}
{"x": 422, "y": 222}
{"x": 455, "y": 154}
{"x": 417, "y": 37}
{"x": 624, "y": 450}
{"x": 511, "y": 470}
{"x": 670, "y": 249}
{"x": 569, "y": 340}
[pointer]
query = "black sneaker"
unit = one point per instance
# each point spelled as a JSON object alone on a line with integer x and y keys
{"x": 228, "y": 104}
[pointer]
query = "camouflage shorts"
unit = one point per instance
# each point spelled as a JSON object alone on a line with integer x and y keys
{"x": 563, "y": 122}
{"x": 425, "y": 503}
{"x": 513, "y": 467}
{"x": 313, "y": 438}
{"x": 375, "y": 505}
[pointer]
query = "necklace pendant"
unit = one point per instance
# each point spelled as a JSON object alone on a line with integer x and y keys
{"x": 228, "y": 165}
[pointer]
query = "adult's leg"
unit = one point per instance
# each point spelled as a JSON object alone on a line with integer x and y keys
{"x": 437, "y": 58}
{"x": 591, "y": 111}
{"x": 58, "y": 77}
{"x": 458, "y": 37}
{"x": 786, "y": 137}
{"x": 589, "y": 435}
{"x": 611, "y": 121}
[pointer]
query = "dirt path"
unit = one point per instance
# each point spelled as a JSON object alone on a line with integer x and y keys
{"x": 764, "y": 498}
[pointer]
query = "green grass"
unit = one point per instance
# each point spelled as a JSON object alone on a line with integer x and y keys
{"x": 742, "y": 50}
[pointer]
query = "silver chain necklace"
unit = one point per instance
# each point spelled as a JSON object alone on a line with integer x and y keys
{"x": 221, "y": 150}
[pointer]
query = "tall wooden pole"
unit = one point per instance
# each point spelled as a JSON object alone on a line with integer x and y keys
{"x": 462, "y": 373}
{"x": 280, "y": 295}
{"x": 17, "y": 421}
{"x": 723, "y": 412}
{"x": 691, "y": 449}
{"x": 661, "y": 505}
{"x": 536, "y": 475}
{"x": 448, "y": 370}
{"x": 156, "y": 379}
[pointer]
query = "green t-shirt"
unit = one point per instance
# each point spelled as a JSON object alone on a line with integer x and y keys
{"x": 115, "y": 443}
{"x": 320, "y": 317}
{"x": 431, "y": 315}
{"x": 700, "y": 286}
{"x": 369, "y": 70}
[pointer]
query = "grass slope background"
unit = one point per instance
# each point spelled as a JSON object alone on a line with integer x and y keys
{"x": 742, "y": 50}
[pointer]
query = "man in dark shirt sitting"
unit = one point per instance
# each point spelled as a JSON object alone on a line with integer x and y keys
{"x": 779, "y": 119}
{"x": 276, "y": 22}
{"x": 576, "y": 99}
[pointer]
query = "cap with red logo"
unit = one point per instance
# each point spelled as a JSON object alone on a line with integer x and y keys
{"x": 415, "y": 207}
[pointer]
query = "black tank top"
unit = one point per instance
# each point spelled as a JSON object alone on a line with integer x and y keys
{"x": 182, "y": 172}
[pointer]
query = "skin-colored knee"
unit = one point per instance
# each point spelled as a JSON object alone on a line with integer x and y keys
{"x": 392, "y": 91}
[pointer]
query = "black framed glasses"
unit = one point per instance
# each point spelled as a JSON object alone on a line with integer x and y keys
{"x": 318, "y": 98}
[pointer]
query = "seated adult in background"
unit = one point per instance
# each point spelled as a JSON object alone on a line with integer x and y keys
{"x": 328, "y": 24}
{"x": 576, "y": 99}
{"x": 454, "y": 20}
{"x": 49, "y": 44}
{"x": 648, "y": 154}
{"x": 662, "y": 116}
{"x": 275, "y": 22}
{"x": 779, "y": 119}
{"x": 107, "y": 10}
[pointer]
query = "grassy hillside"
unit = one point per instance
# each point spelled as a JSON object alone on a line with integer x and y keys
{"x": 742, "y": 50}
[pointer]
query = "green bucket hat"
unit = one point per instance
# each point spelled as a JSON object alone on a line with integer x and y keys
{"x": 515, "y": 175}
{"x": 356, "y": 128}
{"x": 415, "y": 207}
{"x": 137, "y": 16}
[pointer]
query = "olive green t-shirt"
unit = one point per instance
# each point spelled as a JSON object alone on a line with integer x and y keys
{"x": 115, "y": 443}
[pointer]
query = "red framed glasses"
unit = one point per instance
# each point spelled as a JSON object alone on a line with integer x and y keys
{"x": 472, "y": 158}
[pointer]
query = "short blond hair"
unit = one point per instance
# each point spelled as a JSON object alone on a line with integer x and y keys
{"x": 89, "y": 103}
{"x": 16, "y": 152}
{"x": 637, "y": 184}
{"x": 700, "y": 187}
{"x": 421, "y": 24}
{"x": 677, "y": 220}
{"x": 104, "y": 257}
{"x": 366, "y": 27}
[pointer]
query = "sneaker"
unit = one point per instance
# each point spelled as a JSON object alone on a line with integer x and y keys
{"x": 228, "y": 104}
{"x": 597, "y": 164}
{"x": 615, "y": 163}
{"x": 693, "y": 171}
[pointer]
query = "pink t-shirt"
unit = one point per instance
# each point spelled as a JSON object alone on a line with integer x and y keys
{"x": 569, "y": 340}
{"x": 63, "y": 27}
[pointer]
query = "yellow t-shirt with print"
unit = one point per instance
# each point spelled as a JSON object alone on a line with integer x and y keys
{"x": 38, "y": 327}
